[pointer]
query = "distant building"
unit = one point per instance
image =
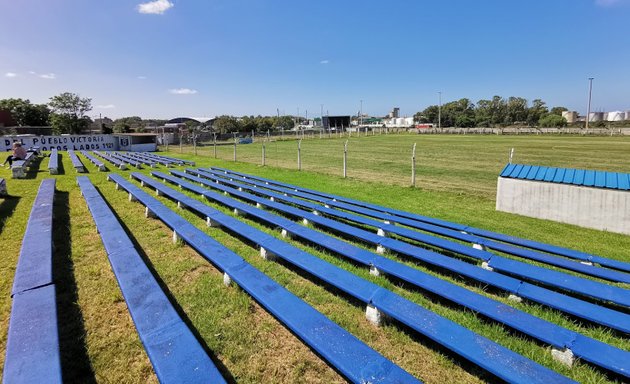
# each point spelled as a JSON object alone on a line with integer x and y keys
{"x": 395, "y": 113}
{"x": 336, "y": 122}
{"x": 570, "y": 116}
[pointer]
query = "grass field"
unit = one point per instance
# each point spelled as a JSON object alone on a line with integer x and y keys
{"x": 456, "y": 180}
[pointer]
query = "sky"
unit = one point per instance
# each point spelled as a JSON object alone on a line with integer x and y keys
{"x": 204, "y": 58}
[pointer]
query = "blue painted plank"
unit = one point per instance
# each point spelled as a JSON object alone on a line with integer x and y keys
{"x": 533, "y": 170}
{"x": 623, "y": 181}
{"x": 458, "y": 227}
{"x": 176, "y": 355}
{"x": 600, "y": 179}
{"x": 578, "y": 177}
{"x": 350, "y": 356}
{"x": 550, "y": 174}
{"x": 589, "y": 178}
{"x": 32, "y": 354}
{"x": 516, "y": 170}
{"x": 569, "y": 174}
{"x": 524, "y": 171}
{"x": 34, "y": 266}
{"x": 403, "y": 310}
{"x": 608, "y": 317}
{"x": 540, "y": 174}
{"x": 559, "y": 177}
{"x": 526, "y": 323}
{"x": 507, "y": 170}
{"x": 611, "y": 180}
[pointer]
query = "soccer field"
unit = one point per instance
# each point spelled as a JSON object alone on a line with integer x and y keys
{"x": 455, "y": 180}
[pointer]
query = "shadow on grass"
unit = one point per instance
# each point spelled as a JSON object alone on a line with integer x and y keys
{"x": 60, "y": 169}
{"x": 7, "y": 207}
{"x": 33, "y": 168}
{"x": 75, "y": 362}
{"x": 180, "y": 311}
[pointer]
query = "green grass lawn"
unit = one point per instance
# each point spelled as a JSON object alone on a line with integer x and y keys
{"x": 456, "y": 180}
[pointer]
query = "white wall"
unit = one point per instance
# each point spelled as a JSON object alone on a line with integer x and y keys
{"x": 598, "y": 208}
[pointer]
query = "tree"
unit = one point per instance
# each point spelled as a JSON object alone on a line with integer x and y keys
{"x": 516, "y": 110}
{"x": 26, "y": 114}
{"x": 536, "y": 112}
{"x": 552, "y": 120}
{"x": 225, "y": 124}
{"x": 69, "y": 113}
{"x": 128, "y": 124}
{"x": 558, "y": 110}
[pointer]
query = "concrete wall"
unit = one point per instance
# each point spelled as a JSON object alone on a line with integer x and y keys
{"x": 597, "y": 208}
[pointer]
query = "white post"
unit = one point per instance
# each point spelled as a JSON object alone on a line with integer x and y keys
{"x": 234, "y": 146}
{"x": 263, "y": 153}
{"x": 345, "y": 159}
{"x": 413, "y": 165}
{"x": 214, "y": 141}
{"x": 511, "y": 155}
{"x": 299, "y": 155}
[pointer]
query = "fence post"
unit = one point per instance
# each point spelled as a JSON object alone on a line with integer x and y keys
{"x": 345, "y": 159}
{"x": 214, "y": 143}
{"x": 299, "y": 155}
{"x": 510, "y": 156}
{"x": 234, "y": 146}
{"x": 263, "y": 153}
{"x": 413, "y": 165}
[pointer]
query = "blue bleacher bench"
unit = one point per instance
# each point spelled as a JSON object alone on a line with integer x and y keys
{"x": 19, "y": 167}
{"x": 53, "y": 162}
{"x": 32, "y": 351}
{"x": 175, "y": 353}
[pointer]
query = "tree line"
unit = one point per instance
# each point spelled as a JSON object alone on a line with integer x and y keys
{"x": 495, "y": 112}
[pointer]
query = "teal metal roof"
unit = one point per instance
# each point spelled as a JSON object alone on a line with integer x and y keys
{"x": 583, "y": 177}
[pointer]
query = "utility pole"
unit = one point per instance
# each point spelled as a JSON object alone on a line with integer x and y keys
{"x": 440, "y": 110}
{"x": 590, "y": 90}
{"x": 361, "y": 114}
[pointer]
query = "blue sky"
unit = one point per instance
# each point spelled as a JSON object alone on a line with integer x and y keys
{"x": 164, "y": 58}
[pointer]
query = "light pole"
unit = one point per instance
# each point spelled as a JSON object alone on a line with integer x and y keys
{"x": 590, "y": 90}
{"x": 440, "y": 110}
{"x": 361, "y": 114}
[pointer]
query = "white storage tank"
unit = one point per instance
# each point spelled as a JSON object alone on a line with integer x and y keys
{"x": 627, "y": 115}
{"x": 570, "y": 116}
{"x": 596, "y": 116}
{"x": 400, "y": 121}
{"x": 616, "y": 116}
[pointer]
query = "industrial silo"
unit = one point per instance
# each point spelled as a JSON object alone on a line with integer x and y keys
{"x": 570, "y": 116}
{"x": 616, "y": 116}
{"x": 596, "y": 116}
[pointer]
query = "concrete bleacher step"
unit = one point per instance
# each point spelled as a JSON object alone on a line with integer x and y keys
{"x": 99, "y": 164}
{"x": 76, "y": 162}
{"x": 350, "y": 356}
{"x": 53, "y": 162}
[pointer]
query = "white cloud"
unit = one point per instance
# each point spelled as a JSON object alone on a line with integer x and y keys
{"x": 182, "y": 91}
{"x": 324, "y": 62}
{"x": 157, "y": 7}
{"x": 10, "y": 74}
{"x": 49, "y": 76}
{"x": 142, "y": 77}
{"x": 106, "y": 106}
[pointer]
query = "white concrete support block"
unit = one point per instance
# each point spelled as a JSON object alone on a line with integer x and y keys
{"x": 373, "y": 315}
{"x": 515, "y": 298}
{"x": 148, "y": 213}
{"x": 380, "y": 249}
{"x": 237, "y": 212}
{"x": 265, "y": 254}
{"x": 272, "y": 199}
{"x": 258, "y": 205}
{"x": 381, "y": 232}
{"x": 305, "y": 221}
{"x": 480, "y": 247}
{"x": 315, "y": 213}
{"x": 326, "y": 206}
{"x": 132, "y": 197}
{"x": 176, "y": 238}
{"x": 486, "y": 266}
{"x": 227, "y": 280}
{"x": 586, "y": 263}
{"x": 117, "y": 186}
{"x": 212, "y": 223}
{"x": 158, "y": 193}
{"x": 375, "y": 271}
{"x": 225, "y": 193}
{"x": 564, "y": 356}
{"x": 181, "y": 205}
{"x": 141, "y": 182}
{"x": 285, "y": 194}
{"x": 240, "y": 189}
{"x": 286, "y": 234}
{"x": 122, "y": 167}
